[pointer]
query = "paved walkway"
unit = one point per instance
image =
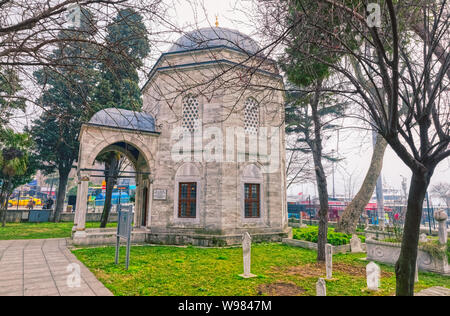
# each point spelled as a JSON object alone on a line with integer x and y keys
{"x": 44, "y": 267}
{"x": 434, "y": 291}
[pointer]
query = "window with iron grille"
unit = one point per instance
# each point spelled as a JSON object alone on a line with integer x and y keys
{"x": 251, "y": 116}
{"x": 187, "y": 200}
{"x": 252, "y": 200}
{"x": 191, "y": 114}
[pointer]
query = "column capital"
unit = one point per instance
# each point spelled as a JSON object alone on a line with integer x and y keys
{"x": 83, "y": 176}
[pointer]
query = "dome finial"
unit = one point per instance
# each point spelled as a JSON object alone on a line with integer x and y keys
{"x": 217, "y": 21}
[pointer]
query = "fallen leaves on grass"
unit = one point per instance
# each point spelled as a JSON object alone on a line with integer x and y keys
{"x": 280, "y": 289}
{"x": 318, "y": 270}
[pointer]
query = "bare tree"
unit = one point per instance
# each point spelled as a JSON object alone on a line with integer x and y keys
{"x": 442, "y": 190}
{"x": 407, "y": 99}
{"x": 298, "y": 164}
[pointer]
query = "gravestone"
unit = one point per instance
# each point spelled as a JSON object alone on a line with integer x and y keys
{"x": 366, "y": 221}
{"x": 301, "y": 225}
{"x": 321, "y": 288}
{"x": 373, "y": 273}
{"x": 423, "y": 238}
{"x": 416, "y": 274}
{"x": 355, "y": 244}
{"x": 329, "y": 260}
{"x": 246, "y": 252}
{"x": 441, "y": 217}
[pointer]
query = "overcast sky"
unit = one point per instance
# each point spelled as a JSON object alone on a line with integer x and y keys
{"x": 355, "y": 146}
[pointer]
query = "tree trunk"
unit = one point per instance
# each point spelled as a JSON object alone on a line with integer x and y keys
{"x": 405, "y": 266}
{"x": 353, "y": 211}
{"x": 316, "y": 148}
{"x": 111, "y": 179}
{"x": 323, "y": 210}
{"x": 3, "y": 210}
{"x": 60, "y": 197}
{"x": 4, "y": 197}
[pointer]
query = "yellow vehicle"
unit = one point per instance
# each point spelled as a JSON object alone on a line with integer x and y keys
{"x": 24, "y": 201}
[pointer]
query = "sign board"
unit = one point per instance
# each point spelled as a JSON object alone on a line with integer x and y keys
{"x": 159, "y": 194}
{"x": 125, "y": 220}
{"x": 124, "y": 228}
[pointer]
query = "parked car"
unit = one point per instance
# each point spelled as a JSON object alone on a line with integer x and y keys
{"x": 24, "y": 201}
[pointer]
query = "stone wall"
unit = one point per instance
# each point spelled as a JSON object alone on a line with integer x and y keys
{"x": 311, "y": 245}
{"x": 17, "y": 216}
{"x": 386, "y": 252}
{"x": 219, "y": 183}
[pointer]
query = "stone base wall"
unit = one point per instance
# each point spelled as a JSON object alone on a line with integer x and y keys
{"x": 388, "y": 253}
{"x": 99, "y": 237}
{"x": 311, "y": 245}
{"x": 103, "y": 237}
{"x": 90, "y": 217}
{"x": 210, "y": 240}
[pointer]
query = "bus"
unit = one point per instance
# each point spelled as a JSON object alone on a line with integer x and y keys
{"x": 121, "y": 195}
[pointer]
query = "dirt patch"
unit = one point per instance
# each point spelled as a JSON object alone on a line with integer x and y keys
{"x": 318, "y": 270}
{"x": 280, "y": 289}
{"x": 307, "y": 271}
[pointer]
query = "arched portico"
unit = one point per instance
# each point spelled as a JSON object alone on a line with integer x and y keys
{"x": 136, "y": 138}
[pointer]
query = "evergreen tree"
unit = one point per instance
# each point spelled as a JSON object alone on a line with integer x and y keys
{"x": 9, "y": 100}
{"x": 308, "y": 115}
{"x": 66, "y": 101}
{"x": 119, "y": 84}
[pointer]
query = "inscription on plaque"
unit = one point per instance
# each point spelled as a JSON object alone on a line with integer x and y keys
{"x": 159, "y": 194}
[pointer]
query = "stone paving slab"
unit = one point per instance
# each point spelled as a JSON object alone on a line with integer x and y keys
{"x": 44, "y": 267}
{"x": 434, "y": 291}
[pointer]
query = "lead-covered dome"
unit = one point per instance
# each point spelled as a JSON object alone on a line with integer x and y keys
{"x": 214, "y": 37}
{"x": 124, "y": 119}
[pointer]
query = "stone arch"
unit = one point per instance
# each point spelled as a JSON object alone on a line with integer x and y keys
{"x": 251, "y": 174}
{"x": 138, "y": 146}
{"x": 188, "y": 172}
{"x": 101, "y": 145}
{"x": 252, "y": 171}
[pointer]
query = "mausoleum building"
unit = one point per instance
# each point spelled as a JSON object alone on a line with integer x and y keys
{"x": 208, "y": 147}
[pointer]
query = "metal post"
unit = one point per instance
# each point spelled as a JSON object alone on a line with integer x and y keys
{"x": 118, "y": 237}
{"x": 117, "y": 249}
{"x": 334, "y": 192}
{"x": 128, "y": 246}
{"x": 18, "y": 201}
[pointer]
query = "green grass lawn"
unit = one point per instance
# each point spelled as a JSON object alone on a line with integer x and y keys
{"x": 41, "y": 230}
{"x": 281, "y": 270}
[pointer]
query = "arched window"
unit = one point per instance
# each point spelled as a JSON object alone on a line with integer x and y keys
{"x": 251, "y": 116}
{"x": 187, "y": 192}
{"x": 191, "y": 114}
{"x": 252, "y": 189}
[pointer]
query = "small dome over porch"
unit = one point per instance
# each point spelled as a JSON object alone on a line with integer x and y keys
{"x": 124, "y": 119}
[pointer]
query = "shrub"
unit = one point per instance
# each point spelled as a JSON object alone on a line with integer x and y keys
{"x": 334, "y": 238}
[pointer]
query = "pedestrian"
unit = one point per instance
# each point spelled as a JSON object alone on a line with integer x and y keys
{"x": 49, "y": 204}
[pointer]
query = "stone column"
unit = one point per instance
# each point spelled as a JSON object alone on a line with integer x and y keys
{"x": 441, "y": 217}
{"x": 75, "y": 220}
{"x": 150, "y": 202}
{"x": 329, "y": 261}
{"x": 80, "y": 229}
{"x": 138, "y": 203}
